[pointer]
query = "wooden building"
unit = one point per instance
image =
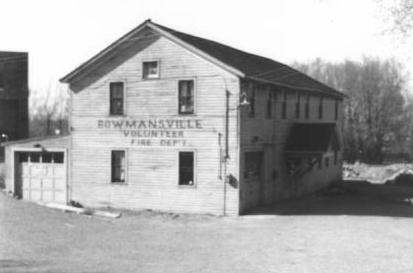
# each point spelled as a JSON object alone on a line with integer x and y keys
{"x": 13, "y": 97}
{"x": 168, "y": 121}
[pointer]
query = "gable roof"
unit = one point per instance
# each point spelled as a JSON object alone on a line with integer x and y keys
{"x": 243, "y": 64}
{"x": 312, "y": 137}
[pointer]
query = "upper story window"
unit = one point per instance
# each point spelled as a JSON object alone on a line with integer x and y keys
{"x": 269, "y": 103}
{"x": 116, "y": 98}
{"x": 307, "y": 107}
{"x": 150, "y": 70}
{"x": 252, "y": 103}
{"x": 320, "y": 109}
{"x": 186, "y": 97}
{"x": 1, "y": 81}
{"x": 297, "y": 106}
{"x": 284, "y": 105}
{"x": 336, "y": 110}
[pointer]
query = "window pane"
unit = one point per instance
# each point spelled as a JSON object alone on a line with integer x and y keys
{"x": 118, "y": 166}
{"x": 186, "y": 168}
{"x": 116, "y": 98}
{"x": 58, "y": 157}
{"x": 186, "y": 97}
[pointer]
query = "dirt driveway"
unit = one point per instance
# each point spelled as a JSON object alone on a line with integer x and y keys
{"x": 365, "y": 228}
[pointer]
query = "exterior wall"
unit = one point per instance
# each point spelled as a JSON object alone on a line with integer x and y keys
{"x": 152, "y": 170}
{"x": 270, "y": 135}
{"x": 13, "y": 95}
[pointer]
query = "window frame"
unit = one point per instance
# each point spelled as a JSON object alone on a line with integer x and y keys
{"x": 123, "y": 101}
{"x": 158, "y": 75}
{"x": 194, "y": 96}
{"x": 112, "y": 182}
{"x": 194, "y": 184}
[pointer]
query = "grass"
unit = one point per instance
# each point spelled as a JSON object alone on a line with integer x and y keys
{"x": 357, "y": 227}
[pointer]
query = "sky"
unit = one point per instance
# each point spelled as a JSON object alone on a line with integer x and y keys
{"x": 59, "y": 35}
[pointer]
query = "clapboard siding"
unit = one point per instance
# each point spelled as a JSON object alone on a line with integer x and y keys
{"x": 260, "y": 133}
{"x": 152, "y": 171}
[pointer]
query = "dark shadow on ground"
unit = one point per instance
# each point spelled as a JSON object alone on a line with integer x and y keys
{"x": 348, "y": 198}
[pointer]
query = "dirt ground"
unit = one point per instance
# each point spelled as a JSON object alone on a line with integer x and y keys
{"x": 357, "y": 227}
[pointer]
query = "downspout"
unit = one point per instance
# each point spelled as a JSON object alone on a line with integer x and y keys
{"x": 226, "y": 157}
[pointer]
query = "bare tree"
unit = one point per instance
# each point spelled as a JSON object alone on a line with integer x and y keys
{"x": 49, "y": 111}
{"x": 400, "y": 15}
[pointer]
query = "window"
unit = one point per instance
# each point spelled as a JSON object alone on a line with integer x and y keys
{"x": 116, "y": 98}
{"x": 252, "y": 104}
{"x": 150, "y": 70}
{"x": 320, "y": 162}
{"x": 327, "y": 162}
{"x": 253, "y": 164}
{"x": 284, "y": 105}
{"x": 186, "y": 168}
{"x": 320, "y": 109}
{"x": 269, "y": 104}
{"x": 307, "y": 107}
{"x": 186, "y": 97}
{"x": 336, "y": 110}
{"x": 118, "y": 166}
{"x": 297, "y": 106}
{"x": 1, "y": 81}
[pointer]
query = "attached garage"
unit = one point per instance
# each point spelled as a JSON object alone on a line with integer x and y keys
{"x": 36, "y": 169}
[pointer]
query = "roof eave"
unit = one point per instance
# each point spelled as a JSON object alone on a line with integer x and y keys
{"x": 95, "y": 58}
{"x": 335, "y": 94}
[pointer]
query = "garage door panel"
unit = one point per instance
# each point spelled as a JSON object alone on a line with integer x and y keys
{"x": 60, "y": 171}
{"x": 35, "y": 195}
{"x": 47, "y": 196}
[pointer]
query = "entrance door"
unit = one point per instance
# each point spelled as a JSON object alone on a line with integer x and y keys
{"x": 254, "y": 178}
{"x": 41, "y": 177}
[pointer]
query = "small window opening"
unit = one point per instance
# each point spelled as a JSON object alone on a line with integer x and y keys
{"x": 307, "y": 107}
{"x": 336, "y": 110}
{"x": 297, "y": 106}
{"x": 1, "y": 81}
{"x": 284, "y": 105}
{"x": 320, "y": 109}
{"x": 150, "y": 70}
{"x": 269, "y": 103}
{"x": 252, "y": 104}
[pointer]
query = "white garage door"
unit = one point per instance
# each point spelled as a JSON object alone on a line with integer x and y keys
{"x": 41, "y": 176}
